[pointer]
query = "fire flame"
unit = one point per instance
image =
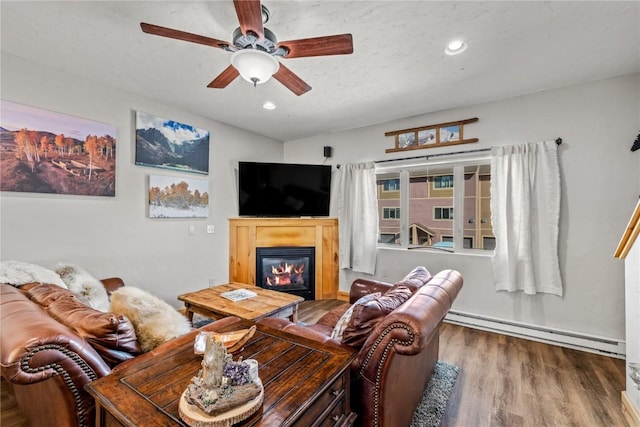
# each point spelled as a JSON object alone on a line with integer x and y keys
{"x": 285, "y": 274}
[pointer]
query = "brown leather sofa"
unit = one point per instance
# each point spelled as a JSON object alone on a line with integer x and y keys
{"x": 400, "y": 347}
{"x": 51, "y": 346}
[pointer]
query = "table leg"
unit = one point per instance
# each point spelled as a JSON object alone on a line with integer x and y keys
{"x": 294, "y": 315}
{"x": 188, "y": 312}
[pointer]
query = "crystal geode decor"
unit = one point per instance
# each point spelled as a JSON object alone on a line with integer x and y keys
{"x": 222, "y": 384}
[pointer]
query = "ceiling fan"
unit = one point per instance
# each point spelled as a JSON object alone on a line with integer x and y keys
{"x": 255, "y": 49}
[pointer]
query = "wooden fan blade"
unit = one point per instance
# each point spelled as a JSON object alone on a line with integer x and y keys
{"x": 294, "y": 83}
{"x": 341, "y": 44}
{"x": 250, "y": 16}
{"x": 181, "y": 35}
{"x": 224, "y": 78}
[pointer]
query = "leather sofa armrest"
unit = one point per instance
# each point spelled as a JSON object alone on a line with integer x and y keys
{"x": 362, "y": 287}
{"x": 36, "y": 347}
{"x": 112, "y": 283}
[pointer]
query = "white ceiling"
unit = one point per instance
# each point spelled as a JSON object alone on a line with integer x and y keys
{"x": 398, "y": 68}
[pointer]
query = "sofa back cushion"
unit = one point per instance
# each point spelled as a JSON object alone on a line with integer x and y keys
{"x": 366, "y": 316}
{"x": 342, "y": 323}
{"x": 415, "y": 279}
{"x": 111, "y": 335}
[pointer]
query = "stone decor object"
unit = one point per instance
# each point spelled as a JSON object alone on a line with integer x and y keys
{"x": 224, "y": 392}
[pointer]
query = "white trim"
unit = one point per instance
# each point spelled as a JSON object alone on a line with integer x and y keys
{"x": 591, "y": 343}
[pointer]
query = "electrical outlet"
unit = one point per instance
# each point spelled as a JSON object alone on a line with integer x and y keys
{"x": 212, "y": 281}
{"x": 211, "y": 229}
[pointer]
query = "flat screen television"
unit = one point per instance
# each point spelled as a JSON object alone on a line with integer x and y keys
{"x": 283, "y": 189}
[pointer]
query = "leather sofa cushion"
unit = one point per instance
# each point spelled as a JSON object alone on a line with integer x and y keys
{"x": 366, "y": 316}
{"x": 345, "y": 319}
{"x": 44, "y": 293}
{"x": 111, "y": 335}
{"x": 415, "y": 279}
{"x": 330, "y": 319}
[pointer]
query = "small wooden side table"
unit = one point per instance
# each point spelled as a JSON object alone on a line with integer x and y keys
{"x": 210, "y": 303}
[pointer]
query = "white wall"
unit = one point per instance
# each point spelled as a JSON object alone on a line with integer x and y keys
{"x": 598, "y": 123}
{"x": 112, "y": 236}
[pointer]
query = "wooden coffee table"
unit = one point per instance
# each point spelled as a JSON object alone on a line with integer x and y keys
{"x": 306, "y": 383}
{"x": 209, "y": 303}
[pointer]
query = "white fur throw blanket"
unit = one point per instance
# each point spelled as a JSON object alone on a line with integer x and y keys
{"x": 154, "y": 320}
{"x": 19, "y": 273}
{"x": 85, "y": 287}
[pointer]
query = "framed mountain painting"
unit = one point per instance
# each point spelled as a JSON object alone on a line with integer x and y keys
{"x": 167, "y": 144}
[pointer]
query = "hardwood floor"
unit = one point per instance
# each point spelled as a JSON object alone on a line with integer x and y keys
{"x": 503, "y": 381}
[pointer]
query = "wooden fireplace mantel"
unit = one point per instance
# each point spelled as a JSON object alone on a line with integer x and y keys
{"x": 247, "y": 234}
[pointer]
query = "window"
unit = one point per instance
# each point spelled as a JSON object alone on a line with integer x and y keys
{"x": 391, "y": 213}
{"x": 418, "y": 209}
{"x": 445, "y": 181}
{"x": 443, "y": 213}
{"x": 391, "y": 185}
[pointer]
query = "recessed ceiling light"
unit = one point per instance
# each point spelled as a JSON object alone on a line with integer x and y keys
{"x": 269, "y": 105}
{"x": 456, "y": 47}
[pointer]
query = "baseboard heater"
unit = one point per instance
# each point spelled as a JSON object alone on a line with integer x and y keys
{"x": 562, "y": 338}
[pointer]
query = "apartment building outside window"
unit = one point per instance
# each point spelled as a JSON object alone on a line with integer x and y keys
{"x": 420, "y": 199}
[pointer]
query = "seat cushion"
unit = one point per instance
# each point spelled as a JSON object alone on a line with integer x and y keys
{"x": 366, "y": 316}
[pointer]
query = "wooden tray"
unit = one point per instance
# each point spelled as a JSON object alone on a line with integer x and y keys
{"x": 232, "y": 341}
{"x": 195, "y": 417}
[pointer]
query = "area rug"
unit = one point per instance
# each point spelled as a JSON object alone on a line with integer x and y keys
{"x": 434, "y": 400}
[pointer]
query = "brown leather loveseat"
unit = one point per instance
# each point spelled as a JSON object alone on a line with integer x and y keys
{"x": 397, "y": 337}
{"x": 51, "y": 346}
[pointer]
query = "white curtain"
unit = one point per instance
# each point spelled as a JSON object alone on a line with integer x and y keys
{"x": 525, "y": 206}
{"x": 355, "y": 203}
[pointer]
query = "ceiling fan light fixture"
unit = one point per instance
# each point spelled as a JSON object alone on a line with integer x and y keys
{"x": 255, "y": 66}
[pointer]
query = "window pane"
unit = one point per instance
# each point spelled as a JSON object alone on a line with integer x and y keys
{"x": 389, "y": 208}
{"x": 477, "y": 208}
{"x": 444, "y": 181}
{"x": 430, "y": 207}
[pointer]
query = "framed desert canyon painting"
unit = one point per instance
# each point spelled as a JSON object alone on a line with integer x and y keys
{"x": 46, "y": 152}
{"x": 178, "y": 197}
{"x": 167, "y": 144}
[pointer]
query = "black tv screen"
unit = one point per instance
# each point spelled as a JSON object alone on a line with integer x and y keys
{"x": 283, "y": 189}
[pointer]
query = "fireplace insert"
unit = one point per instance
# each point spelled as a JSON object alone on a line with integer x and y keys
{"x": 287, "y": 269}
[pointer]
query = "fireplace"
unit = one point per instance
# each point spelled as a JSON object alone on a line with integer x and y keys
{"x": 287, "y": 269}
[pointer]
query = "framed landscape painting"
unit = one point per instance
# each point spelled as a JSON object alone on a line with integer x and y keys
{"x": 176, "y": 197}
{"x": 46, "y": 152}
{"x": 167, "y": 144}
